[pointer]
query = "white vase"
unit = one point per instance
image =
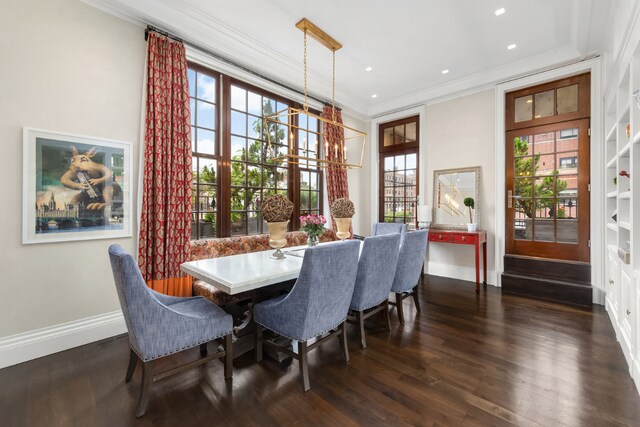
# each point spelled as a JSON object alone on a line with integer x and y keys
{"x": 277, "y": 237}
{"x": 343, "y": 225}
{"x": 471, "y": 226}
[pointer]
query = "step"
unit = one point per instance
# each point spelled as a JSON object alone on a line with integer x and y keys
{"x": 569, "y": 271}
{"x": 562, "y": 291}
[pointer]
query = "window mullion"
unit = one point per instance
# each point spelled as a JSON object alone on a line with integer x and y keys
{"x": 224, "y": 166}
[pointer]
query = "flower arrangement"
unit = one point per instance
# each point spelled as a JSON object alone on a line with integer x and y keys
{"x": 313, "y": 225}
{"x": 276, "y": 208}
{"x": 343, "y": 208}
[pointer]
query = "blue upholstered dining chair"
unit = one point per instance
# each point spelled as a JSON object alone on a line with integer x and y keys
{"x": 376, "y": 270}
{"x": 409, "y": 269}
{"x": 161, "y": 325}
{"x": 379, "y": 228}
{"x": 318, "y": 303}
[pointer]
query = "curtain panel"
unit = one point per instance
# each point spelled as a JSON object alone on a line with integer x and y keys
{"x": 337, "y": 185}
{"x": 165, "y": 219}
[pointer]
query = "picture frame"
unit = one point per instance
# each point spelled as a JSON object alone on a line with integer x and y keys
{"x": 75, "y": 187}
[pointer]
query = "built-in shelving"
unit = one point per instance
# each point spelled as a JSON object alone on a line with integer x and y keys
{"x": 622, "y": 205}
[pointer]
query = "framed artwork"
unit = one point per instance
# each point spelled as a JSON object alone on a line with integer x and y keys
{"x": 74, "y": 187}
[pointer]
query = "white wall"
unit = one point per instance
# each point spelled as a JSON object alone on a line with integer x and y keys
{"x": 72, "y": 68}
{"x": 359, "y": 182}
{"x": 461, "y": 133}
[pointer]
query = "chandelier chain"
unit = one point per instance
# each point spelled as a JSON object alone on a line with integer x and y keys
{"x": 333, "y": 88}
{"x": 306, "y": 103}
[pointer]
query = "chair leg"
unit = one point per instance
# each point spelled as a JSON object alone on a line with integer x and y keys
{"x": 386, "y": 314}
{"x": 147, "y": 379}
{"x": 343, "y": 340}
{"x": 133, "y": 361}
{"x": 258, "y": 343}
{"x": 304, "y": 364}
{"x": 415, "y": 299}
{"x": 228, "y": 356}
{"x": 203, "y": 350}
{"x": 400, "y": 308}
{"x": 360, "y": 321}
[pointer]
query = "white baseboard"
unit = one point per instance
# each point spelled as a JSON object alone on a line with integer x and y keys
{"x": 457, "y": 272}
{"x": 598, "y": 296}
{"x": 633, "y": 361}
{"x": 30, "y": 345}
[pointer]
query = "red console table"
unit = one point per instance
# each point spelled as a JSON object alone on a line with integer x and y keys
{"x": 459, "y": 237}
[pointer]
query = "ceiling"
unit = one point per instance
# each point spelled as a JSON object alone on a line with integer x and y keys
{"x": 407, "y": 43}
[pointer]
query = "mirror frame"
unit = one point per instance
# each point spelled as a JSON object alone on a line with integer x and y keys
{"x": 436, "y": 174}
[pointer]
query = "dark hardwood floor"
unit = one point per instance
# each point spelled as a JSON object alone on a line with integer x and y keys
{"x": 467, "y": 359}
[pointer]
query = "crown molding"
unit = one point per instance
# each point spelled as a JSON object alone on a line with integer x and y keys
{"x": 480, "y": 81}
{"x": 195, "y": 25}
{"x": 200, "y": 28}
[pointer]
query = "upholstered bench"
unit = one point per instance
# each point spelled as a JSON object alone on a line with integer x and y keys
{"x": 226, "y": 246}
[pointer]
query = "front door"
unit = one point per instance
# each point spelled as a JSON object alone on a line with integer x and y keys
{"x": 547, "y": 171}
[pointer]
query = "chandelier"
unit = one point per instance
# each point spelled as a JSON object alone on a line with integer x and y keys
{"x": 327, "y": 153}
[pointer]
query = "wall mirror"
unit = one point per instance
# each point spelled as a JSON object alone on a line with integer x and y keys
{"x": 450, "y": 188}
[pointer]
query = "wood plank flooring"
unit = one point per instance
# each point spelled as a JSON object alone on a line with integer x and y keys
{"x": 468, "y": 359}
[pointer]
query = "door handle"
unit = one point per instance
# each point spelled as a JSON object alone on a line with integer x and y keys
{"x": 510, "y": 198}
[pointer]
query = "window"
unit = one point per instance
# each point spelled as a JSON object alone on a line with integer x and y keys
{"x": 399, "y": 170}
{"x": 569, "y": 162}
{"x": 204, "y": 141}
{"x": 568, "y": 133}
{"x": 233, "y": 166}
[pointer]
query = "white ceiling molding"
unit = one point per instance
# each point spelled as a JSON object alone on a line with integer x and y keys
{"x": 479, "y": 81}
{"x": 463, "y": 36}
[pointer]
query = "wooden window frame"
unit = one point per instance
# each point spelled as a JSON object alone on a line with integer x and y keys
{"x": 584, "y": 102}
{"x": 195, "y": 211}
{"x": 395, "y": 150}
{"x": 223, "y": 154}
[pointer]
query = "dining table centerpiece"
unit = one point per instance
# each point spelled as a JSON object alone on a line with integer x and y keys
{"x": 276, "y": 210}
{"x": 343, "y": 211}
{"x": 313, "y": 225}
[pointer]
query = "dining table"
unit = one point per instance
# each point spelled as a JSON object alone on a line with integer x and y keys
{"x": 259, "y": 274}
{"x": 235, "y": 274}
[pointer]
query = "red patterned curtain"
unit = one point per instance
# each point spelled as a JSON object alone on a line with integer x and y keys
{"x": 165, "y": 222}
{"x": 337, "y": 185}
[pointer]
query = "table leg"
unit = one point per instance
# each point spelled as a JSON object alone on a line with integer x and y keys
{"x": 484, "y": 262}
{"x": 477, "y": 245}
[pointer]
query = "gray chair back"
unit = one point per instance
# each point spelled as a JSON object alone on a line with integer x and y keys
{"x": 142, "y": 310}
{"x": 319, "y": 300}
{"x": 380, "y": 228}
{"x": 376, "y": 271}
{"x": 410, "y": 261}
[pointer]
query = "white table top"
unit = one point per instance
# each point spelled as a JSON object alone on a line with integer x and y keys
{"x": 245, "y": 272}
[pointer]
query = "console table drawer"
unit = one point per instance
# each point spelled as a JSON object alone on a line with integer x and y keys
{"x": 464, "y": 239}
{"x": 440, "y": 237}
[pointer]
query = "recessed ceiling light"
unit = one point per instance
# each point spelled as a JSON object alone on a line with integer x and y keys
{"x": 445, "y": 71}
{"x": 511, "y": 46}
{"x": 374, "y": 96}
{"x": 368, "y": 69}
{"x": 500, "y": 11}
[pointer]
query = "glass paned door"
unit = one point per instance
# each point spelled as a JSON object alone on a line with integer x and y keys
{"x": 547, "y": 191}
